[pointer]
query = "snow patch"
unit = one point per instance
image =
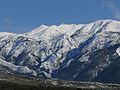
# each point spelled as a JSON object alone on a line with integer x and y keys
{"x": 20, "y": 69}
{"x": 118, "y": 51}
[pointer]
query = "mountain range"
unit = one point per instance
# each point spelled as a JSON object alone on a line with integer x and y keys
{"x": 78, "y": 52}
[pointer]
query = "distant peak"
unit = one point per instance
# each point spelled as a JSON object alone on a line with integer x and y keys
{"x": 43, "y": 25}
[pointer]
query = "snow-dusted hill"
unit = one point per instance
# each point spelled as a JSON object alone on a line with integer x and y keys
{"x": 68, "y": 51}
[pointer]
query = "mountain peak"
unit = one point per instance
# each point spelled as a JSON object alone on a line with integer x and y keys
{"x": 43, "y": 26}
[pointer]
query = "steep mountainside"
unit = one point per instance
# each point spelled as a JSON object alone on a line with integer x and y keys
{"x": 88, "y": 52}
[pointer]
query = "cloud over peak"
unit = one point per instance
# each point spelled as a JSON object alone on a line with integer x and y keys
{"x": 113, "y": 7}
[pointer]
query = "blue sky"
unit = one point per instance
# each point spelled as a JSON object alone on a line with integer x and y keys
{"x": 21, "y": 16}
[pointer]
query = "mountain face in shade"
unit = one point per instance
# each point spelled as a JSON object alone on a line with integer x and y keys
{"x": 87, "y": 52}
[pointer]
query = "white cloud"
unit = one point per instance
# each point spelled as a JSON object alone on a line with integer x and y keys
{"x": 112, "y": 6}
{"x": 7, "y": 25}
{"x": 117, "y": 15}
{"x": 15, "y": 29}
{"x": 8, "y": 21}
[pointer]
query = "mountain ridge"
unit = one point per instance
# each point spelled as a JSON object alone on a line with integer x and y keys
{"x": 67, "y": 51}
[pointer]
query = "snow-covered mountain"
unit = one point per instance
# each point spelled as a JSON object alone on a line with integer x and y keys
{"x": 89, "y": 52}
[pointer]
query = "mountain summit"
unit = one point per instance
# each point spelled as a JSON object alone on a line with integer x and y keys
{"x": 87, "y": 52}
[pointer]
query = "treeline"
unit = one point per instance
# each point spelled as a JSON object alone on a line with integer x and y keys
{"x": 13, "y": 86}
